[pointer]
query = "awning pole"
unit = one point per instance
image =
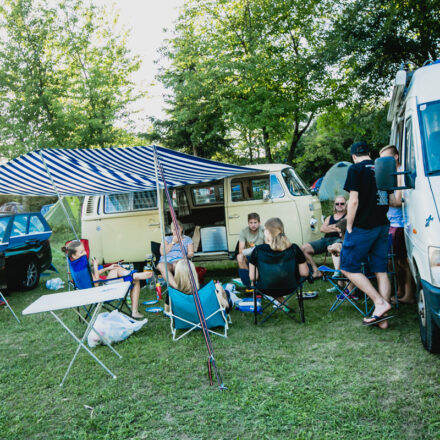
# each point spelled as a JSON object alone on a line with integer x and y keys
{"x": 161, "y": 217}
{"x": 60, "y": 197}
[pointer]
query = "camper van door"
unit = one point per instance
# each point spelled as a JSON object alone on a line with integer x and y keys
{"x": 263, "y": 194}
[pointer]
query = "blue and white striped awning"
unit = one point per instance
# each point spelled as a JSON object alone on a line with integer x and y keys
{"x": 105, "y": 170}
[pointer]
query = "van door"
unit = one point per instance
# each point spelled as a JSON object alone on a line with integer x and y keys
{"x": 130, "y": 221}
{"x": 265, "y": 195}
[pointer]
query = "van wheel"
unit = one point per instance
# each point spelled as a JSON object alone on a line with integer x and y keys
{"x": 30, "y": 275}
{"x": 429, "y": 331}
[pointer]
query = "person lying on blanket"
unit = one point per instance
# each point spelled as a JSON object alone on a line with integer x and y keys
{"x": 75, "y": 250}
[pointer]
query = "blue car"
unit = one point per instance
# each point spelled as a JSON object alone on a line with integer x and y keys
{"x": 24, "y": 250}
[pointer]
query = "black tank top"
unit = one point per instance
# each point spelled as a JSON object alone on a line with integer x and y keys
{"x": 332, "y": 221}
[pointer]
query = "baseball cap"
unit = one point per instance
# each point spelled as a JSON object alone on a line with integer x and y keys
{"x": 359, "y": 148}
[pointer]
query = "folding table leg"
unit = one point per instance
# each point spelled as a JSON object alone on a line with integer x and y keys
{"x": 9, "y": 307}
{"x": 81, "y": 343}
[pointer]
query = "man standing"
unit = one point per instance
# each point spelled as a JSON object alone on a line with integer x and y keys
{"x": 367, "y": 234}
{"x": 405, "y": 284}
{"x": 250, "y": 237}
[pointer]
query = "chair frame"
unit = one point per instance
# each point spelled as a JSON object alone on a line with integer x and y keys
{"x": 279, "y": 305}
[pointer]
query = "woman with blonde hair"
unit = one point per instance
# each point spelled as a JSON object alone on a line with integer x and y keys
{"x": 277, "y": 261}
{"x": 182, "y": 277}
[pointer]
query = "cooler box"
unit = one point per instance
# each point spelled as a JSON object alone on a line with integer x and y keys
{"x": 214, "y": 239}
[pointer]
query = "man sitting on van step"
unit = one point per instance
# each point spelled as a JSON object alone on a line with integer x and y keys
{"x": 331, "y": 235}
{"x": 174, "y": 253}
{"x": 366, "y": 238}
{"x": 251, "y": 236}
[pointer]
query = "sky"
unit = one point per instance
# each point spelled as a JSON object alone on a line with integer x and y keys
{"x": 146, "y": 19}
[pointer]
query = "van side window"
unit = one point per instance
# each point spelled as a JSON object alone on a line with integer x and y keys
{"x": 206, "y": 195}
{"x": 249, "y": 189}
{"x": 137, "y": 201}
{"x": 410, "y": 162}
{"x": 3, "y": 225}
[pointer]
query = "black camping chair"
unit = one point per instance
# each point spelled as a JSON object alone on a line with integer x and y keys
{"x": 274, "y": 288}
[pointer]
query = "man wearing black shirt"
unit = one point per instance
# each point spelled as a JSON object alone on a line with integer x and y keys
{"x": 366, "y": 238}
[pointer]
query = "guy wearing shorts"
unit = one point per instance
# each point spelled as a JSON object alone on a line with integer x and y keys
{"x": 366, "y": 238}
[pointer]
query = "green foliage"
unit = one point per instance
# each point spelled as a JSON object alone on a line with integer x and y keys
{"x": 370, "y": 39}
{"x": 252, "y": 66}
{"x": 64, "y": 76}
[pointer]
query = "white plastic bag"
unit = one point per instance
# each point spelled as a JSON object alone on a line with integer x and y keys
{"x": 114, "y": 327}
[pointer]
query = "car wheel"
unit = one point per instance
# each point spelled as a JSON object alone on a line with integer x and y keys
{"x": 429, "y": 331}
{"x": 30, "y": 274}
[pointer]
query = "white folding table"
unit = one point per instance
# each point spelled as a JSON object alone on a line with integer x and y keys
{"x": 73, "y": 300}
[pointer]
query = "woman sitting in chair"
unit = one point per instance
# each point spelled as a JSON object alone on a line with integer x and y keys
{"x": 277, "y": 262}
{"x": 75, "y": 250}
{"x": 174, "y": 253}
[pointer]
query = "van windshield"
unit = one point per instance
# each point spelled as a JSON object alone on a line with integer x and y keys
{"x": 430, "y": 131}
{"x": 294, "y": 183}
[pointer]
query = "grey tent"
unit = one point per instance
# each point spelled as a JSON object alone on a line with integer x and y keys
{"x": 333, "y": 182}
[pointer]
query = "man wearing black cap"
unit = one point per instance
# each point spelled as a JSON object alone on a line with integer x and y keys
{"x": 366, "y": 238}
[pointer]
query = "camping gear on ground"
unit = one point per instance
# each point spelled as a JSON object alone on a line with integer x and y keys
{"x": 201, "y": 272}
{"x": 54, "y": 284}
{"x": 310, "y": 294}
{"x": 73, "y": 300}
{"x": 156, "y": 309}
{"x": 333, "y": 182}
{"x": 248, "y": 305}
{"x": 184, "y": 315}
{"x": 2, "y": 298}
{"x": 114, "y": 327}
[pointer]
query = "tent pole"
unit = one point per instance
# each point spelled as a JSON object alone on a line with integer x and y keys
{"x": 60, "y": 197}
{"x": 161, "y": 217}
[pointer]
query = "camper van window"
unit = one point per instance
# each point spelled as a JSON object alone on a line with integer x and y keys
{"x": 207, "y": 195}
{"x": 410, "y": 164}
{"x": 430, "y": 127}
{"x": 294, "y": 183}
{"x": 276, "y": 190}
{"x": 258, "y": 187}
{"x": 137, "y": 201}
{"x": 236, "y": 191}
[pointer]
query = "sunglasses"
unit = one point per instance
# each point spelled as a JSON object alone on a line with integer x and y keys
{"x": 341, "y": 204}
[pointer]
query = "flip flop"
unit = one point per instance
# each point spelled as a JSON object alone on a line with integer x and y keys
{"x": 376, "y": 319}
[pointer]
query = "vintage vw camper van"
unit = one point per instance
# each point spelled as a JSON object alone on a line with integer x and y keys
{"x": 122, "y": 226}
{"x": 415, "y": 115}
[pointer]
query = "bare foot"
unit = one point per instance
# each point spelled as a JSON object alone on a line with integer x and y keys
{"x": 383, "y": 325}
{"x": 137, "y": 315}
{"x": 379, "y": 310}
{"x": 403, "y": 300}
{"x": 317, "y": 274}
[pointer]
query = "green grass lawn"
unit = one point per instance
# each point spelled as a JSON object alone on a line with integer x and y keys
{"x": 330, "y": 378}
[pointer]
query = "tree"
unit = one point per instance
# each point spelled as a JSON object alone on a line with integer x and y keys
{"x": 255, "y": 62}
{"x": 64, "y": 76}
{"x": 370, "y": 39}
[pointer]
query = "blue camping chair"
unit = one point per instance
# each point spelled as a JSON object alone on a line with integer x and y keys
{"x": 184, "y": 315}
{"x": 81, "y": 278}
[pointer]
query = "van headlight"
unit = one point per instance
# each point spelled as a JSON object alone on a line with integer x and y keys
{"x": 434, "y": 264}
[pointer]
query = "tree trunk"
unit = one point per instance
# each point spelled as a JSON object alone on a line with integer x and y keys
{"x": 296, "y": 136}
{"x": 267, "y": 145}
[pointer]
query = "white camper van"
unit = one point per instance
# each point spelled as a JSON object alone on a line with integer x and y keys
{"x": 415, "y": 115}
{"x": 122, "y": 226}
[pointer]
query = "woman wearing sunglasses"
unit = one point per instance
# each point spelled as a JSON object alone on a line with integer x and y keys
{"x": 331, "y": 235}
